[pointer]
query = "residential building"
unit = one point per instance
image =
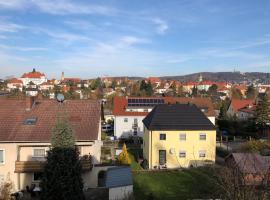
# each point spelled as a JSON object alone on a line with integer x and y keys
{"x": 205, "y": 85}
{"x": 241, "y": 108}
{"x": 130, "y": 111}
{"x": 36, "y": 77}
{"x": 14, "y": 84}
{"x": 25, "y": 132}
{"x": 31, "y": 89}
{"x": 178, "y": 135}
{"x": 46, "y": 86}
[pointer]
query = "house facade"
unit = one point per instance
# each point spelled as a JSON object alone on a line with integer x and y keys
{"x": 178, "y": 136}
{"x": 36, "y": 77}
{"x": 25, "y": 132}
{"x": 130, "y": 111}
{"x": 243, "y": 109}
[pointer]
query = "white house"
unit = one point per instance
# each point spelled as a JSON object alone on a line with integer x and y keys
{"x": 130, "y": 111}
{"x": 36, "y": 77}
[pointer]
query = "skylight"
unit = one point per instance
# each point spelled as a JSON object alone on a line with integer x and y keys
{"x": 30, "y": 121}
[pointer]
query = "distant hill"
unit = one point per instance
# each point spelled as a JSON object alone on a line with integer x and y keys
{"x": 235, "y": 77}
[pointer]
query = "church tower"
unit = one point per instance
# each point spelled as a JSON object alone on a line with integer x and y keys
{"x": 62, "y": 76}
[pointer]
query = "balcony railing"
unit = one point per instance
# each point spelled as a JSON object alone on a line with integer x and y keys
{"x": 38, "y": 166}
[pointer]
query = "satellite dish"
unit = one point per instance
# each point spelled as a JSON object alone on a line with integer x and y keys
{"x": 60, "y": 97}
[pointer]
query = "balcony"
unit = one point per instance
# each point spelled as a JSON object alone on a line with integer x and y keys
{"x": 29, "y": 166}
{"x": 38, "y": 166}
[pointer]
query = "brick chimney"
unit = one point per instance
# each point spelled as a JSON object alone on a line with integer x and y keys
{"x": 29, "y": 102}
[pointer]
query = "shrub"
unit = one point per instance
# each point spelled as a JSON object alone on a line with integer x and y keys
{"x": 123, "y": 157}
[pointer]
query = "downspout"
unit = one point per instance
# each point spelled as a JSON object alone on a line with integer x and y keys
{"x": 18, "y": 174}
{"x": 151, "y": 151}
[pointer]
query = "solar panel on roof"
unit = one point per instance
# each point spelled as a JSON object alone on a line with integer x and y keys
{"x": 145, "y": 102}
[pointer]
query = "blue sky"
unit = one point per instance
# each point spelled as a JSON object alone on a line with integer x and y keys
{"x": 133, "y": 37}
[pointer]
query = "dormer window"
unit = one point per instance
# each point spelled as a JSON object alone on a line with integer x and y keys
{"x": 30, "y": 121}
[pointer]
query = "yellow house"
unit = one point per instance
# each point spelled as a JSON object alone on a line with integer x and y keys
{"x": 178, "y": 135}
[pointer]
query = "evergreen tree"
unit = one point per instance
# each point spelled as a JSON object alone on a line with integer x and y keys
{"x": 223, "y": 112}
{"x": 123, "y": 157}
{"x": 194, "y": 91}
{"x": 262, "y": 115}
{"x": 62, "y": 134}
{"x": 62, "y": 173}
{"x": 251, "y": 92}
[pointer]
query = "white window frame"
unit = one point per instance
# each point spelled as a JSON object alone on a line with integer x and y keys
{"x": 202, "y": 152}
{"x": 4, "y": 157}
{"x": 181, "y": 134}
{"x": 201, "y": 134}
{"x": 37, "y": 148}
{"x": 182, "y": 151}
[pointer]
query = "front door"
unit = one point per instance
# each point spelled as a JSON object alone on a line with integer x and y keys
{"x": 162, "y": 157}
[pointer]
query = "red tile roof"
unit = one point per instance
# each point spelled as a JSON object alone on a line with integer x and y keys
{"x": 241, "y": 103}
{"x": 153, "y": 79}
{"x": 33, "y": 74}
{"x": 15, "y": 81}
{"x": 83, "y": 115}
{"x": 120, "y": 104}
{"x": 75, "y": 80}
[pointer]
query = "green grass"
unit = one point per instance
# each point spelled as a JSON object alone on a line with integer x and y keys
{"x": 180, "y": 185}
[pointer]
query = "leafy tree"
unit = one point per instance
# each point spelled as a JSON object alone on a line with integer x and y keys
{"x": 97, "y": 83}
{"x": 146, "y": 88}
{"x": 62, "y": 173}
{"x": 262, "y": 115}
{"x": 114, "y": 84}
{"x": 251, "y": 92}
{"x": 236, "y": 93}
{"x": 213, "y": 89}
{"x": 123, "y": 157}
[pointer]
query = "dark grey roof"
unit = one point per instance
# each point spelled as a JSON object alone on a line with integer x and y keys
{"x": 118, "y": 176}
{"x": 177, "y": 117}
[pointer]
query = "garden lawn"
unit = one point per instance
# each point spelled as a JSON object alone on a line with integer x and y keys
{"x": 180, "y": 185}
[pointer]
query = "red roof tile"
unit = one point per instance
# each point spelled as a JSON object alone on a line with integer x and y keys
{"x": 241, "y": 103}
{"x": 33, "y": 74}
{"x": 83, "y": 115}
{"x": 15, "y": 81}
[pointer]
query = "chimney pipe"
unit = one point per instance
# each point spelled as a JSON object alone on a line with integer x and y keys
{"x": 29, "y": 102}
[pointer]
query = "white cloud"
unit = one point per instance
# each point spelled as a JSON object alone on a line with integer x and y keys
{"x": 10, "y": 27}
{"x": 162, "y": 25}
{"x": 12, "y": 4}
{"x": 131, "y": 40}
{"x": 58, "y": 7}
{"x": 17, "y": 48}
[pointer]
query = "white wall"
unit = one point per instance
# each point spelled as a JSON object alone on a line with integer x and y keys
{"x": 124, "y": 129}
{"x": 120, "y": 193}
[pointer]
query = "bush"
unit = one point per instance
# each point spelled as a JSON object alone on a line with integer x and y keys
{"x": 256, "y": 146}
{"x": 123, "y": 157}
{"x": 145, "y": 164}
